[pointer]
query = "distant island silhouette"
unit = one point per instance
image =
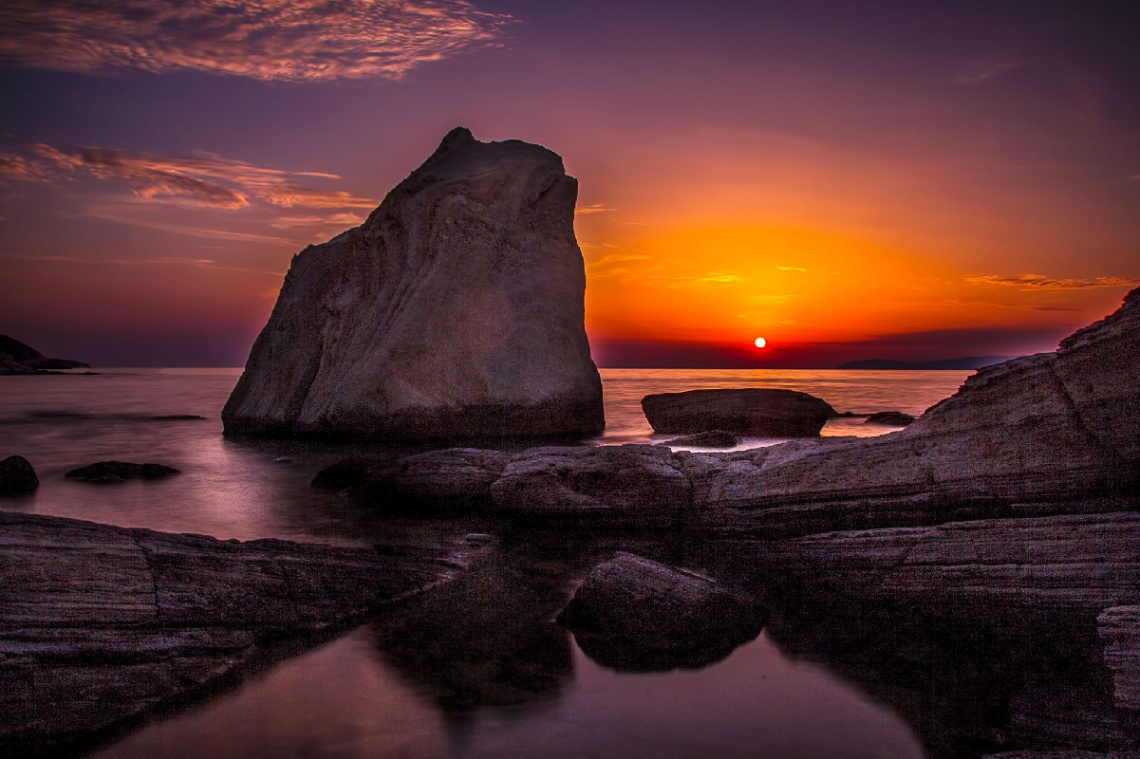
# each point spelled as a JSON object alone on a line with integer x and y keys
{"x": 967, "y": 362}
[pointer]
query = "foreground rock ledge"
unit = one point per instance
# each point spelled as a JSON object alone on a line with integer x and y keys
{"x": 102, "y": 625}
{"x": 455, "y": 311}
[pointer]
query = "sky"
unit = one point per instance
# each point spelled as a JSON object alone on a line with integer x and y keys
{"x": 900, "y": 180}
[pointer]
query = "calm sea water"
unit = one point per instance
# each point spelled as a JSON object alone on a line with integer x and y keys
{"x": 356, "y": 696}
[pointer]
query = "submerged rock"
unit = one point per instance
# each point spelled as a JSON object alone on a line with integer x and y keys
{"x": 454, "y": 311}
{"x": 108, "y": 472}
{"x": 17, "y": 477}
{"x": 713, "y": 439}
{"x": 890, "y": 418}
{"x": 633, "y": 614}
{"x": 757, "y": 412}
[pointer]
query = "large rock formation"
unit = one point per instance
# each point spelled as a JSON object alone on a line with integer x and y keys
{"x": 100, "y": 625}
{"x": 762, "y": 412}
{"x": 454, "y": 311}
{"x": 17, "y": 477}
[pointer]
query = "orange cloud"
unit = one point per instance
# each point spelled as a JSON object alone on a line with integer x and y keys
{"x": 1028, "y": 282}
{"x": 271, "y": 40}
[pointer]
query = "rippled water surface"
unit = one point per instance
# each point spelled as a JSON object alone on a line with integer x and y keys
{"x": 365, "y": 695}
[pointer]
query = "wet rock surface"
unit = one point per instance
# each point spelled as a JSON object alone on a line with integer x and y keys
{"x": 455, "y": 311}
{"x": 101, "y": 626}
{"x": 634, "y": 614}
{"x": 110, "y": 472}
{"x": 756, "y": 412}
{"x": 713, "y": 439}
{"x": 17, "y": 477}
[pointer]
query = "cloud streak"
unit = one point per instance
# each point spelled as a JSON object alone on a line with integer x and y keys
{"x": 292, "y": 40}
{"x": 203, "y": 180}
{"x": 1030, "y": 282}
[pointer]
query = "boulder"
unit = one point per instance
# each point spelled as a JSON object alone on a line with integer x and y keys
{"x": 455, "y": 478}
{"x": 108, "y": 472}
{"x": 756, "y": 412}
{"x": 17, "y": 477}
{"x": 455, "y": 311}
{"x": 641, "y": 483}
{"x": 713, "y": 439}
{"x": 890, "y": 418}
{"x": 633, "y": 614}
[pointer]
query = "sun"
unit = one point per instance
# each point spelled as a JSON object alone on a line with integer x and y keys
{"x": 761, "y": 342}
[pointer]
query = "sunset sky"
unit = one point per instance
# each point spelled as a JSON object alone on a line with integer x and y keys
{"x": 849, "y": 180}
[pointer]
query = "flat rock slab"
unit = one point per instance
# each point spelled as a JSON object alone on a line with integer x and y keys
{"x": 634, "y": 614}
{"x": 101, "y": 625}
{"x": 109, "y": 472}
{"x": 890, "y": 418}
{"x": 757, "y": 412}
{"x": 713, "y": 439}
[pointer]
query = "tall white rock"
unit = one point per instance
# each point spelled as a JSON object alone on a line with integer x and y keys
{"x": 454, "y": 311}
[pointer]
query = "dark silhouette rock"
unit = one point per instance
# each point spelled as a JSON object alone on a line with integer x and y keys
{"x": 633, "y": 614}
{"x": 344, "y": 475}
{"x": 178, "y": 418}
{"x": 101, "y": 627}
{"x": 17, "y": 477}
{"x": 455, "y": 311}
{"x": 108, "y": 472}
{"x": 713, "y": 439}
{"x": 18, "y": 358}
{"x": 757, "y": 412}
{"x": 890, "y": 418}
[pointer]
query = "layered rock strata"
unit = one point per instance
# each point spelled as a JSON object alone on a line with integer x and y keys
{"x": 101, "y": 625}
{"x": 1119, "y": 629}
{"x": 454, "y": 311}
{"x": 758, "y": 412}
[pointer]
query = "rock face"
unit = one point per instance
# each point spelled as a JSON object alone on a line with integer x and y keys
{"x": 454, "y": 311}
{"x": 100, "y": 625}
{"x": 634, "y": 614}
{"x": 1119, "y": 629}
{"x": 18, "y": 358}
{"x": 109, "y": 472}
{"x": 757, "y": 412}
{"x": 17, "y": 477}
{"x": 452, "y": 479}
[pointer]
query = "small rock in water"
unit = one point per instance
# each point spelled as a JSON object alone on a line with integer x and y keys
{"x": 636, "y": 615}
{"x": 714, "y": 439}
{"x": 890, "y": 418}
{"x": 17, "y": 476}
{"x": 178, "y": 418}
{"x": 763, "y": 412}
{"x": 342, "y": 475}
{"x": 106, "y": 472}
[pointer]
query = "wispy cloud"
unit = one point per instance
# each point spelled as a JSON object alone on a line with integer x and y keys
{"x": 1041, "y": 282}
{"x": 203, "y": 179}
{"x": 791, "y": 268}
{"x": 336, "y": 219}
{"x": 594, "y": 208}
{"x": 205, "y": 263}
{"x": 293, "y": 40}
{"x": 982, "y": 71}
{"x": 109, "y": 214}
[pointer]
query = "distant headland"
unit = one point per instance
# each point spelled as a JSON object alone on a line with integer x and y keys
{"x": 18, "y": 358}
{"x": 967, "y": 362}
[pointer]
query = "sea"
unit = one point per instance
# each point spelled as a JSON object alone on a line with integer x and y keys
{"x": 363, "y": 695}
